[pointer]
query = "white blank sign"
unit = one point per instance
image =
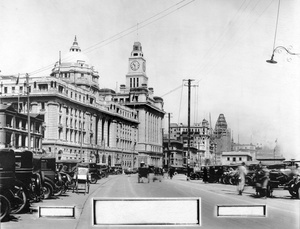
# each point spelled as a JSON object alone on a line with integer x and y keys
{"x": 155, "y": 211}
{"x": 242, "y": 210}
{"x": 57, "y": 211}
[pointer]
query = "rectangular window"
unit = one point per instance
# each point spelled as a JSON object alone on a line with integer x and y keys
{"x": 240, "y": 158}
{"x": 5, "y": 90}
{"x": 228, "y": 158}
{"x": 137, "y": 82}
{"x": 233, "y": 159}
{"x": 130, "y": 82}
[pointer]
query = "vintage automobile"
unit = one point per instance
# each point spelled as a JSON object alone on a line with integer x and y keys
{"x": 27, "y": 182}
{"x": 103, "y": 170}
{"x": 115, "y": 170}
{"x": 53, "y": 184}
{"x": 278, "y": 178}
{"x": 7, "y": 180}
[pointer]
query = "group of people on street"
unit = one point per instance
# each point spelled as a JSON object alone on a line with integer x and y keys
{"x": 212, "y": 174}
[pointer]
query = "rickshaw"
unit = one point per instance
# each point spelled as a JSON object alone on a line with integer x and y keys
{"x": 143, "y": 172}
{"x": 7, "y": 180}
{"x": 67, "y": 169}
{"x": 158, "y": 174}
{"x": 82, "y": 178}
{"x": 93, "y": 171}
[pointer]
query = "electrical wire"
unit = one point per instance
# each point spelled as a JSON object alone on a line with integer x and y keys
{"x": 180, "y": 101}
{"x": 125, "y": 32}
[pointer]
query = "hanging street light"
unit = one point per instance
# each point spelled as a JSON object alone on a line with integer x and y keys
{"x": 272, "y": 61}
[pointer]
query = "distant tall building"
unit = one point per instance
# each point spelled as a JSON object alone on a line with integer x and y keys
{"x": 222, "y": 138}
{"x": 200, "y": 139}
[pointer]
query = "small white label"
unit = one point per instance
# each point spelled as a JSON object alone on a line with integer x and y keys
{"x": 57, "y": 211}
{"x": 242, "y": 210}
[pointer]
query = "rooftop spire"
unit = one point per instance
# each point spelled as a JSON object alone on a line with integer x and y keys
{"x": 75, "y": 47}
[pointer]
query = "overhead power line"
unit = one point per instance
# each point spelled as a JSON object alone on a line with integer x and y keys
{"x": 162, "y": 14}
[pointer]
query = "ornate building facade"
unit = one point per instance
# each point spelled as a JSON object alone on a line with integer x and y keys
{"x": 200, "y": 138}
{"x": 85, "y": 122}
{"x": 137, "y": 95}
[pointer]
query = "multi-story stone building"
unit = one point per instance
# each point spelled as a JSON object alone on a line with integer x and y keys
{"x": 84, "y": 121}
{"x": 200, "y": 138}
{"x": 14, "y": 129}
{"x": 252, "y": 149}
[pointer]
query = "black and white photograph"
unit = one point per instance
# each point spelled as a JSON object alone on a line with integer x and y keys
{"x": 149, "y": 114}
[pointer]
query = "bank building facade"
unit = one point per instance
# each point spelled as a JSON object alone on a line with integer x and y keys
{"x": 84, "y": 121}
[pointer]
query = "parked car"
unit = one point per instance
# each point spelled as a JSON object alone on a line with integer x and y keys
{"x": 130, "y": 170}
{"x": 115, "y": 170}
{"x": 53, "y": 184}
{"x": 103, "y": 169}
{"x": 180, "y": 170}
{"x": 7, "y": 180}
{"x": 26, "y": 180}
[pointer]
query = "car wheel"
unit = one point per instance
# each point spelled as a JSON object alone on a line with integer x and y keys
{"x": 93, "y": 180}
{"x": 47, "y": 190}
{"x": 20, "y": 200}
{"x": 5, "y": 207}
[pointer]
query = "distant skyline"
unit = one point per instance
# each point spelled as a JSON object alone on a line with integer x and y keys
{"x": 222, "y": 45}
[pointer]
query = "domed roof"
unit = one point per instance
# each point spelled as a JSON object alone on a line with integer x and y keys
{"x": 75, "y": 55}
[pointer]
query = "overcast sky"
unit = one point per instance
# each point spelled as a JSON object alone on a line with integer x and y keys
{"x": 222, "y": 45}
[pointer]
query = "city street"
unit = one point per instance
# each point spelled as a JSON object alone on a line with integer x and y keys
{"x": 282, "y": 211}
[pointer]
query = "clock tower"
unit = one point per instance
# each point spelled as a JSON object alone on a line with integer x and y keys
{"x": 136, "y": 76}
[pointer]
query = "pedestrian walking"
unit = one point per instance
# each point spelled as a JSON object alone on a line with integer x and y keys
{"x": 262, "y": 175}
{"x": 242, "y": 172}
{"x": 212, "y": 174}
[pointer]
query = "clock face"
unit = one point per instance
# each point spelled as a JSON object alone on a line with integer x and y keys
{"x": 144, "y": 66}
{"x": 134, "y": 65}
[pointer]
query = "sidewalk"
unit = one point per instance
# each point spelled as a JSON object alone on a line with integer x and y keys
{"x": 31, "y": 220}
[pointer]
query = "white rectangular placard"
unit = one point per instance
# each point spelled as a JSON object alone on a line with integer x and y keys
{"x": 142, "y": 211}
{"x": 242, "y": 210}
{"x": 57, "y": 211}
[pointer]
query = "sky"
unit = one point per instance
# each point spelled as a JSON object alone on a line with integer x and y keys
{"x": 221, "y": 45}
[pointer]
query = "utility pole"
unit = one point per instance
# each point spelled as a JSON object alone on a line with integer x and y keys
{"x": 28, "y": 113}
{"x": 169, "y": 143}
{"x": 189, "y": 126}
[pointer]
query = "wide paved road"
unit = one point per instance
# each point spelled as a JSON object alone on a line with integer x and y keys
{"x": 282, "y": 211}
